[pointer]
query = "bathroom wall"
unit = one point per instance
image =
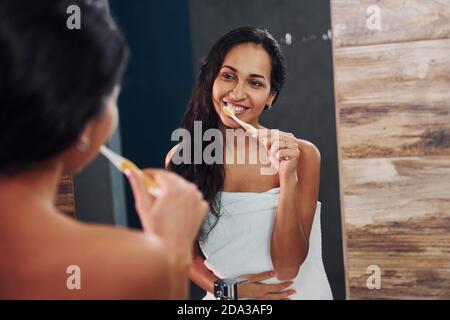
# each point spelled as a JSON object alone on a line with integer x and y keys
{"x": 392, "y": 90}
{"x": 158, "y": 81}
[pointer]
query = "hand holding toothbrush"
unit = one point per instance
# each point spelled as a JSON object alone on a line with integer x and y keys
{"x": 282, "y": 147}
{"x": 175, "y": 215}
{"x": 283, "y": 150}
{"x": 168, "y": 205}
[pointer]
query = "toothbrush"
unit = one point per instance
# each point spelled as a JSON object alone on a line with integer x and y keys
{"x": 230, "y": 112}
{"x": 123, "y": 164}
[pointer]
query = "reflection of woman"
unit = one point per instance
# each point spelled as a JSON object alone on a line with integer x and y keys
{"x": 261, "y": 227}
{"x": 58, "y": 91}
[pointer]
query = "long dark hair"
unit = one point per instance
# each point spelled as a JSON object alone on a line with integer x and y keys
{"x": 53, "y": 80}
{"x": 209, "y": 178}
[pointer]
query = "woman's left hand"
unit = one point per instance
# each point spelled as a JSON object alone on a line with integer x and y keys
{"x": 283, "y": 151}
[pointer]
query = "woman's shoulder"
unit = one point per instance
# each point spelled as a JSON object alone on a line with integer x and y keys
{"x": 115, "y": 263}
{"x": 128, "y": 262}
{"x": 109, "y": 263}
{"x": 309, "y": 149}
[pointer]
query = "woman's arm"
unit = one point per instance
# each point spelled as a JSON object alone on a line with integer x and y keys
{"x": 200, "y": 274}
{"x": 299, "y": 188}
{"x": 254, "y": 288}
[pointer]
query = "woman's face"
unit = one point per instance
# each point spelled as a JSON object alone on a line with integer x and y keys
{"x": 96, "y": 133}
{"x": 243, "y": 83}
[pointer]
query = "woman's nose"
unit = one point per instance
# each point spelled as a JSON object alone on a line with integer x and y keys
{"x": 238, "y": 92}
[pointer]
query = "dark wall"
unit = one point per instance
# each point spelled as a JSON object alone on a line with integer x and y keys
{"x": 168, "y": 40}
{"x": 158, "y": 81}
{"x": 99, "y": 190}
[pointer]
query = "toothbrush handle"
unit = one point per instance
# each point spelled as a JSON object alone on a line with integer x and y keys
{"x": 245, "y": 125}
{"x": 150, "y": 184}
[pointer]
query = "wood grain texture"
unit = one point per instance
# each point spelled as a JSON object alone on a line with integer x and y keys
{"x": 393, "y": 189}
{"x": 65, "y": 197}
{"x": 397, "y": 214}
{"x": 413, "y": 256}
{"x": 394, "y": 100}
{"x": 401, "y": 21}
{"x": 393, "y": 121}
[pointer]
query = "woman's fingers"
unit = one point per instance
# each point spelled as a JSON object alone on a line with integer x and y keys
{"x": 275, "y": 287}
{"x": 292, "y": 145}
{"x": 278, "y": 295}
{"x": 141, "y": 195}
{"x": 166, "y": 180}
{"x": 275, "y": 146}
{"x": 287, "y": 154}
{"x": 258, "y": 276}
{"x": 161, "y": 177}
{"x": 278, "y": 141}
{"x": 268, "y": 136}
{"x": 263, "y": 291}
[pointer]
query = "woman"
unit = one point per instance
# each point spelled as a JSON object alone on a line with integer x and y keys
{"x": 262, "y": 227}
{"x": 58, "y": 93}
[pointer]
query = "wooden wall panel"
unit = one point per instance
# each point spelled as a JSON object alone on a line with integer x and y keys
{"x": 397, "y": 217}
{"x": 393, "y": 120}
{"x": 398, "y": 100}
{"x": 401, "y": 21}
{"x": 65, "y": 197}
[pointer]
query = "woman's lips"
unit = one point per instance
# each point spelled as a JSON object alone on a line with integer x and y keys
{"x": 238, "y": 109}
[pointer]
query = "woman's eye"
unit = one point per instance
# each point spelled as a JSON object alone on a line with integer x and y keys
{"x": 228, "y": 76}
{"x": 255, "y": 83}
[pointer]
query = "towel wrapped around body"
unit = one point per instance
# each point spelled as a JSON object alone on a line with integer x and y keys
{"x": 240, "y": 243}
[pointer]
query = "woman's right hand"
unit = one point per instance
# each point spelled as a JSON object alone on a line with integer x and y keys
{"x": 176, "y": 215}
{"x": 255, "y": 289}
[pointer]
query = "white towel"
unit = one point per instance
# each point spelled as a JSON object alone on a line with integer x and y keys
{"x": 240, "y": 243}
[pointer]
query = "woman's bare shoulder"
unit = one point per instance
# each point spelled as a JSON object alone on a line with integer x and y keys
{"x": 105, "y": 261}
{"x": 309, "y": 151}
{"x": 128, "y": 264}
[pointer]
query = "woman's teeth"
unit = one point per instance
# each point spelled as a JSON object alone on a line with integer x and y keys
{"x": 236, "y": 109}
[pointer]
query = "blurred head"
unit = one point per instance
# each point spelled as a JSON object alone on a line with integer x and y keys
{"x": 244, "y": 68}
{"x": 58, "y": 87}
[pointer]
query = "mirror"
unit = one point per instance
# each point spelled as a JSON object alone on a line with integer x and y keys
{"x": 169, "y": 42}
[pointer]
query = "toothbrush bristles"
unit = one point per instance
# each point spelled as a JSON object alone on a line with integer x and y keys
{"x": 230, "y": 112}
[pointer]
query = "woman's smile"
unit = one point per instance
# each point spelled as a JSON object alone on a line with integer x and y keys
{"x": 238, "y": 109}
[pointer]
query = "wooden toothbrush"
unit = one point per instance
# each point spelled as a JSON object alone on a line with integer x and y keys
{"x": 230, "y": 112}
{"x": 123, "y": 164}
